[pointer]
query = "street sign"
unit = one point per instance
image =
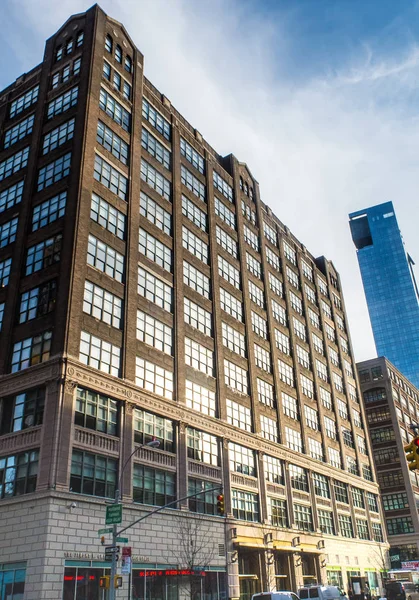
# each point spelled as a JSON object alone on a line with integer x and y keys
{"x": 126, "y": 560}
{"x": 110, "y": 551}
{"x": 113, "y": 514}
{"x": 126, "y": 551}
{"x": 102, "y": 531}
{"x": 123, "y": 540}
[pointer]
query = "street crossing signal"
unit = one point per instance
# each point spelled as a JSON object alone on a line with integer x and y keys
{"x": 220, "y": 504}
{"x": 117, "y": 581}
{"x": 412, "y": 454}
{"x": 102, "y": 540}
{"x": 105, "y": 582}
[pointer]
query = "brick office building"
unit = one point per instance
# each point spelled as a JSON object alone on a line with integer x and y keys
{"x": 146, "y": 290}
{"x": 392, "y": 405}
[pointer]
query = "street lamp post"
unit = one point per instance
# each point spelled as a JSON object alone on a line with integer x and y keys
{"x": 152, "y": 444}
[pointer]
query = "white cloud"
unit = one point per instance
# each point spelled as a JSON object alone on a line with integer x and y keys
{"x": 319, "y": 149}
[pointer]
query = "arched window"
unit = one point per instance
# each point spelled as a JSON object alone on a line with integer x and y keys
{"x": 128, "y": 64}
{"x": 118, "y": 53}
{"x": 108, "y": 43}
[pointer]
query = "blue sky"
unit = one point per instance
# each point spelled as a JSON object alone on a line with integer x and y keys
{"x": 319, "y": 97}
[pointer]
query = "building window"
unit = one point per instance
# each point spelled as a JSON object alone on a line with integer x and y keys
{"x": 194, "y": 214}
{"x": 23, "y": 102}
{"x": 226, "y": 241}
{"x": 108, "y": 43}
{"x": 270, "y": 234}
{"x": 307, "y": 386}
{"x": 314, "y": 318}
{"x": 310, "y": 293}
{"x": 382, "y": 434}
{"x": 348, "y": 439}
{"x": 202, "y": 447}
{"x": 108, "y": 176}
{"x": 273, "y": 259}
{"x": 273, "y": 469}
{"x": 95, "y": 411}
{"x": 362, "y": 529}
{"x": 248, "y": 213}
{"x": 268, "y": 428}
{"x": 227, "y": 215}
{"x": 330, "y": 427}
{"x": 293, "y": 439}
{"x": 38, "y": 301}
{"x": 58, "y": 136}
{"x": 5, "y": 267}
{"x": 282, "y": 342}
{"x": 393, "y": 502}
{"x": 23, "y": 411}
{"x": 253, "y": 265}
{"x": 154, "y": 378}
{"x": 245, "y": 505}
{"x": 386, "y": 480}
{"x": 303, "y": 357}
{"x": 235, "y": 377}
{"x": 239, "y": 415}
{"x": 256, "y": 295}
{"x": 14, "y": 163}
{"x": 326, "y": 398}
{"x": 200, "y": 398}
{"x": 154, "y": 333}
{"x": 156, "y": 119}
{"x": 155, "y": 290}
{"x": 43, "y": 255}
{"x": 375, "y": 395}
{"x": 199, "y": 357}
{"x": 279, "y": 313}
{"x": 192, "y": 155}
{"x": 102, "y": 305}
{"x": 293, "y": 278}
{"x": 373, "y": 502}
{"x": 54, "y": 171}
{"x": 259, "y": 325}
{"x": 196, "y": 280}
{"x": 277, "y": 510}
{"x": 265, "y": 393}
{"x": 157, "y": 150}
{"x": 341, "y": 492}
{"x": 128, "y": 64}
{"x": 115, "y": 110}
{"x": 99, "y": 354}
{"x": 286, "y": 373}
{"x": 231, "y": 305}
{"x": 251, "y": 238}
{"x": 194, "y": 245}
{"x": 205, "y": 504}
{"x": 299, "y": 329}
{"x": 8, "y": 232}
{"x": 31, "y": 351}
{"x": 118, "y": 53}
{"x": 112, "y": 142}
{"x": 321, "y": 369}
{"x": 335, "y": 458}
{"x": 296, "y": 303}
{"x": 276, "y": 285}
{"x": 155, "y": 214}
{"x": 11, "y": 195}
{"x": 18, "y": 474}
{"x": 222, "y": 186}
{"x": 107, "y": 216}
{"x": 93, "y": 474}
{"x": 49, "y": 211}
{"x": 298, "y": 478}
{"x": 155, "y": 180}
{"x": 315, "y": 449}
{"x": 242, "y": 460}
{"x": 62, "y": 103}
{"x": 303, "y": 518}
{"x": 19, "y": 131}
{"x": 197, "y": 317}
{"x": 290, "y": 406}
{"x": 262, "y": 358}
{"x": 192, "y": 183}
{"x": 154, "y": 250}
{"x": 345, "y": 526}
{"x": 228, "y": 272}
{"x": 148, "y": 427}
{"x": 105, "y": 259}
{"x": 330, "y": 332}
{"x": 377, "y": 533}
{"x": 321, "y": 485}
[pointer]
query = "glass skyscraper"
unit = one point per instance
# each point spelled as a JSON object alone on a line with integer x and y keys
{"x": 390, "y": 286}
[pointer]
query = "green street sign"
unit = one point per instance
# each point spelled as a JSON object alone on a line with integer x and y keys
{"x": 123, "y": 540}
{"x": 113, "y": 514}
{"x": 102, "y": 531}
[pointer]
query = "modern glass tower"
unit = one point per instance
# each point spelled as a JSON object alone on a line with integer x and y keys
{"x": 390, "y": 286}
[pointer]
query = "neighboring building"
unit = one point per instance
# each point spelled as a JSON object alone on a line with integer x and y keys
{"x": 391, "y": 405}
{"x": 148, "y": 291}
{"x": 389, "y": 285}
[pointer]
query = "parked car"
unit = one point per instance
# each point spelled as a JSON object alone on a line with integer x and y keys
{"x": 282, "y": 595}
{"x": 323, "y": 592}
{"x": 402, "y": 590}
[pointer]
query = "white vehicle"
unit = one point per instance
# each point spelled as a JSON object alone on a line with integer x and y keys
{"x": 321, "y": 592}
{"x": 283, "y": 595}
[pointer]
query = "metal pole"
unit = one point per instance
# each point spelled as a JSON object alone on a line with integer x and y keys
{"x": 113, "y": 564}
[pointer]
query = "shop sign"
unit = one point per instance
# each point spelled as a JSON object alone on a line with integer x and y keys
{"x": 169, "y": 573}
{"x": 413, "y": 565}
{"x": 138, "y": 558}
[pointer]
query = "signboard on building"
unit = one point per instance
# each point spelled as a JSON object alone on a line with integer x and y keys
{"x": 411, "y": 565}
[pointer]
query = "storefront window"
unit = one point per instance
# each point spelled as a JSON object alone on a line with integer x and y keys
{"x": 335, "y": 578}
{"x": 12, "y": 581}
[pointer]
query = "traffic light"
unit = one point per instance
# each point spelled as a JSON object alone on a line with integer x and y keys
{"x": 412, "y": 454}
{"x": 117, "y": 581}
{"x": 102, "y": 540}
{"x": 220, "y": 504}
{"x": 105, "y": 582}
